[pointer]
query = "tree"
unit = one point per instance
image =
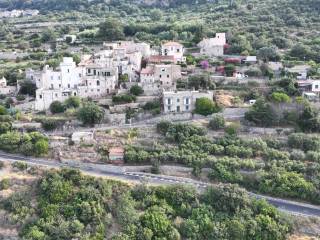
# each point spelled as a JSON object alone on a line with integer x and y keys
{"x": 267, "y": 53}
{"x": 229, "y": 70}
{"x": 90, "y": 114}
{"x": 280, "y": 97}
{"x": 206, "y": 106}
{"x": 111, "y": 30}
{"x": 136, "y": 90}
{"x": 73, "y": 102}
{"x": 200, "y": 82}
{"x": 28, "y": 88}
{"x": 3, "y": 110}
{"x": 57, "y": 107}
{"x": 217, "y": 122}
{"x": 309, "y": 120}
{"x": 261, "y": 113}
{"x": 41, "y": 147}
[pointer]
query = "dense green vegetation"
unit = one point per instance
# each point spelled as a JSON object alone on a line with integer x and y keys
{"x": 68, "y": 205}
{"x": 261, "y": 165}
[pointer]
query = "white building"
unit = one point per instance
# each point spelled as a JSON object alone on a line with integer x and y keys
{"x": 183, "y": 101}
{"x": 95, "y": 76}
{"x": 5, "y": 89}
{"x": 154, "y": 78}
{"x": 174, "y": 49}
{"x": 213, "y": 47}
{"x": 70, "y": 80}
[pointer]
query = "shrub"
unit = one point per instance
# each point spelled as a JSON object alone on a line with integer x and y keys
{"x": 50, "y": 124}
{"x": 20, "y": 97}
{"x": 232, "y": 129}
{"x": 206, "y": 106}
{"x": 4, "y": 184}
{"x": 313, "y": 156}
{"x": 136, "y": 90}
{"x": 297, "y": 154}
{"x": 124, "y": 98}
{"x": 3, "y": 110}
{"x": 304, "y": 142}
{"x": 72, "y": 102}
{"x": 1, "y": 164}
{"x": 20, "y": 166}
{"x": 163, "y": 126}
{"x": 90, "y": 114}
{"x": 273, "y": 154}
{"x": 217, "y": 122}
{"x": 5, "y": 127}
{"x": 41, "y": 147}
{"x": 57, "y": 107}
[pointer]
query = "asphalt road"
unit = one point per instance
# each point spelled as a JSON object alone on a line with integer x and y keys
{"x": 292, "y": 207}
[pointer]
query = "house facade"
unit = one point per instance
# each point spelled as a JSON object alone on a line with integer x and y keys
{"x": 213, "y": 47}
{"x": 174, "y": 49}
{"x": 5, "y": 89}
{"x": 156, "y": 77}
{"x": 95, "y": 76}
{"x": 71, "y": 80}
{"x": 182, "y": 101}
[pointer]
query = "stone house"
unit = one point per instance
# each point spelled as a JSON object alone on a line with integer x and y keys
{"x": 174, "y": 49}
{"x": 5, "y": 89}
{"x": 213, "y": 47}
{"x": 116, "y": 155}
{"x": 153, "y": 78}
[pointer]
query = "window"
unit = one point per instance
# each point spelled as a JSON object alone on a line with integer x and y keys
{"x": 31, "y": 77}
{"x": 79, "y": 74}
{"x": 68, "y": 85}
{"x": 75, "y": 94}
{"x": 316, "y": 86}
{"x": 98, "y": 83}
{"x": 40, "y": 96}
{"x": 178, "y": 100}
{"x": 178, "y": 108}
{"x": 56, "y": 95}
{"x": 168, "y": 76}
{"x": 94, "y": 72}
{"x": 108, "y": 74}
{"x": 68, "y": 70}
{"x": 169, "y": 101}
{"x": 51, "y": 78}
{"x": 163, "y": 70}
{"x": 98, "y": 90}
{"x": 178, "y": 50}
{"x": 169, "y": 108}
{"x": 89, "y": 70}
{"x": 59, "y": 85}
{"x": 160, "y": 76}
{"x": 51, "y": 85}
{"x": 187, "y": 108}
{"x": 187, "y": 101}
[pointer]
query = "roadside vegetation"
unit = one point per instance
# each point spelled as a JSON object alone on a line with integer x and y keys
{"x": 66, "y": 205}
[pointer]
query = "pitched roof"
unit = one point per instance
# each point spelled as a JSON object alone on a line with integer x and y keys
{"x": 116, "y": 150}
{"x": 160, "y": 58}
{"x": 172, "y": 44}
{"x": 147, "y": 70}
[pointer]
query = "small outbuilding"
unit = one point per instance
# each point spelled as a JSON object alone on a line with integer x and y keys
{"x": 116, "y": 155}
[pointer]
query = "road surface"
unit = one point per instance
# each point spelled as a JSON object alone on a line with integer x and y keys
{"x": 292, "y": 207}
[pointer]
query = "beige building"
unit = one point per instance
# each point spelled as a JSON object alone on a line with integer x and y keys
{"x": 5, "y": 89}
{"x": 154, "y": 78}
{"x": 174, "y": 49}
{"x": 182, "y": 101}
{"x": 213, "y": 47}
